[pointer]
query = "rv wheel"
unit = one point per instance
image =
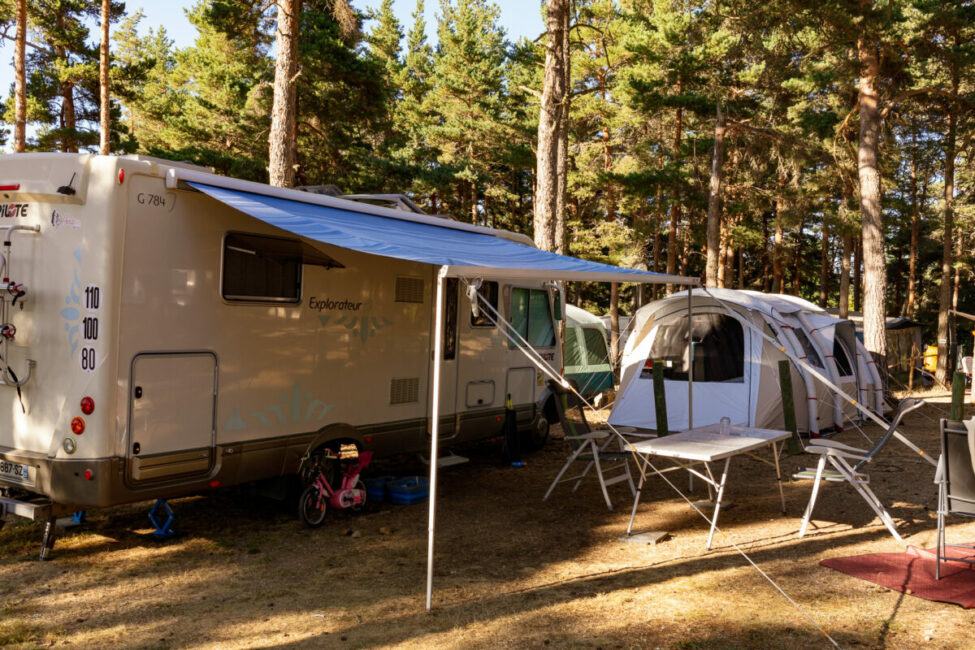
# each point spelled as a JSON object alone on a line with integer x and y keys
{"x": 536, "y": 437}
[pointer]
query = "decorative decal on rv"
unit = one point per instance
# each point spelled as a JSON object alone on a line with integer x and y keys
{"x": 58, "y": 220}
{"x": 362, "y": 326}
{"x": 294, "y": 407}
{"x": 72, "y": 313}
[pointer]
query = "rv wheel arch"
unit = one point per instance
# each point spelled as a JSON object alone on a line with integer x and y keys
{"x": 331, "y": 437}
{"x": 537, "y": 435}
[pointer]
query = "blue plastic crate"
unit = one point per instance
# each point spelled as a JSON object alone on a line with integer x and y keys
{"x": 412, "y": 489}
{"x": 376, "y": 488}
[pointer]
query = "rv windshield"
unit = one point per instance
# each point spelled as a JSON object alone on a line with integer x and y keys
{"x": 719, "y": 348}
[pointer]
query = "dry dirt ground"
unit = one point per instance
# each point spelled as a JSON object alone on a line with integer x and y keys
{"x": 511, "y": 571}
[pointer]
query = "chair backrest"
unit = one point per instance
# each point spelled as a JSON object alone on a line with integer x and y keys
{"x": 571, "y": 410}
{"x": 967, "y": 364}
{"x": 959, "y": 473}
{"x": 905, "y": 407}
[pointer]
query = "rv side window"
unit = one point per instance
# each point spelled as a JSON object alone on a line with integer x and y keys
{"x": 489, "y": 292}
{"x": 842, "y": 358}
{"x": 719, "y": 350}
{"x": 261, "y": 268}
{"x": 531, "y": 317}
{"x": 450, "y": 319}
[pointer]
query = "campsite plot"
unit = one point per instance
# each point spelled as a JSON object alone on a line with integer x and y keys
{"x": 511, "y": 571}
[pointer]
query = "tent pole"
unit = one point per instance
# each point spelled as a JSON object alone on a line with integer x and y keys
{"x": 435, "y": 428}
{"x": 690, "y": 359}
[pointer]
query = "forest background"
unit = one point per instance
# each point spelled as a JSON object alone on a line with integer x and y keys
{"x": 821, "y": 149}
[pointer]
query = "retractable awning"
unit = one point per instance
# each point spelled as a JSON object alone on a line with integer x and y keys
{"x": 464, "y": 250}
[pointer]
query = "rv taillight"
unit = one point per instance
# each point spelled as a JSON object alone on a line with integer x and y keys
{"x": 121, "y": 176}
{"x": 87, "y": 405}
{"x": 214, "y": 484}
{"x": 10, "y": 188}
{"x": 89, "y": 475}
{"x": 77, "y": 426}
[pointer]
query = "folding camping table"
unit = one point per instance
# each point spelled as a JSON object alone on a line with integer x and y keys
{"x": 707, "y": 445}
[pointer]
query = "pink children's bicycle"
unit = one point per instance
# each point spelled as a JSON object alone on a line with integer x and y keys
{"x": 316, "y": 498}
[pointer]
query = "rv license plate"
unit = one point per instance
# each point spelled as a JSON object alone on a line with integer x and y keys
{"x": 17, "y": 472}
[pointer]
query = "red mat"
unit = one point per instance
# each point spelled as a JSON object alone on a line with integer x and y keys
{"x": 913, "y": 573}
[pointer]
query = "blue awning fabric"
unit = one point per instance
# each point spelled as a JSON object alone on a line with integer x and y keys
{"x": 465, "y": 253}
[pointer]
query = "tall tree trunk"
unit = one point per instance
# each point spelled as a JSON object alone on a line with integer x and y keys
{"x": 549, "y": 121}
{"x": 947, "y": 261}
{"x": 915, "y": 233}
{"x": 614, "y": 322}
{"x": 844, "y": 300}
{"x": 797, "y": 277}
{"x": 675, "y": 205}
{"x": 20, "y": 80}
{"x": 104, "y": 148}
{"x": 824, "y": 266}
{"x": 714, "y": 201}
{"x": 281, "y": 154}
{"x": 562, "y": 170}
{"x": 741, "y": 268}
{"x": 778, "y": 241}
{"x": 66, "y": 89}
{"x": 857, "y": 286}
{"x": 874, "y": 267}
{"x": 767, "y": 254}
{"x": 958, "y": 253}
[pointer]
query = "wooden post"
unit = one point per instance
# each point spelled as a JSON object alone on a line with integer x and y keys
{"x": 915, "y": 353}
{"x": 958, "y": 396}
{"x": 794, "y": 446}
{"x": 659, "y": 398}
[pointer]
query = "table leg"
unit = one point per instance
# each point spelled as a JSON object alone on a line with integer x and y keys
{"x": 639, "y": 490}
{"x": 717, "y": 503}
{"x": 778, "y": 476}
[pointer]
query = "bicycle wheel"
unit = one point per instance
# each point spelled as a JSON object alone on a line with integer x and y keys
{"x": 359, "y": 485}
{"x": 312, "y": 506}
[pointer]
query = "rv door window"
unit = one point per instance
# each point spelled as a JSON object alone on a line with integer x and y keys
{"x": 531, "y": 317}
{"x": 489, "y": 292}
{"x": 719, "y": 350}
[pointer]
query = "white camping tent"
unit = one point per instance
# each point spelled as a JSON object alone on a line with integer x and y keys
{"x": 735, "y": 369}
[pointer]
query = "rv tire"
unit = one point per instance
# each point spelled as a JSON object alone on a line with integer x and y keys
{"x": 536, "y": 437}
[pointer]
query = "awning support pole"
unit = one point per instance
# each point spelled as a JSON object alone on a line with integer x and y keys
{"x": 690, "y": 364}
{"x": 435, "y": 429}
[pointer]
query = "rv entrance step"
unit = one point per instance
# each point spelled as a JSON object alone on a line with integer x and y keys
{"x": 446, "y": 461}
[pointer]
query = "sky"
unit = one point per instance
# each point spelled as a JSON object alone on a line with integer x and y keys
{"x": 519, "y": 18}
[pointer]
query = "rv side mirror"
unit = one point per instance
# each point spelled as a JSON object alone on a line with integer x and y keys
{"x": 557, "y": 306}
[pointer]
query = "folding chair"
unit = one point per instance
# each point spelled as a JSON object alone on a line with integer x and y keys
{"x": 956, "y": 484}
{"x": 840, "y": 456}
{"x": 595, "y": 448}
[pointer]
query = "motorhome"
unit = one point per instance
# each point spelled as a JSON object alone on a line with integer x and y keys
{"x": 157, "y": 341}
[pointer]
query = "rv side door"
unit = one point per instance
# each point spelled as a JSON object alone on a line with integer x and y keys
{"x": 171, "y": 422}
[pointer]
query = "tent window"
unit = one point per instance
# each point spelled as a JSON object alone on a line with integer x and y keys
{"x": 489, "y": 292}
{"x": 573, "y": 351}
{"x": 596, "y": 354}
{"x": 531, "y": 317}
{"x": 719, "y": 350}
{"x": 842, "y": 358}
{"x": 812, "y": 355}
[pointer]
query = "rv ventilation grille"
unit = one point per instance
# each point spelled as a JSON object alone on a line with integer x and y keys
{"x": 409, "y": 289}
{"x": 404, "y": 391}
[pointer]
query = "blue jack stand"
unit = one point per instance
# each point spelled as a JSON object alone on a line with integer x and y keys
{"x": 79, "y": 517}
{"x": 159, "y": 510}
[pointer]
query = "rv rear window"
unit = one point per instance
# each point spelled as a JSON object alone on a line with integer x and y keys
{"x": 261, "y": 268}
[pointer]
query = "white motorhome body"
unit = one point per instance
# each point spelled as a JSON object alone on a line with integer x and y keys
{"x": 217, "y": 349}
